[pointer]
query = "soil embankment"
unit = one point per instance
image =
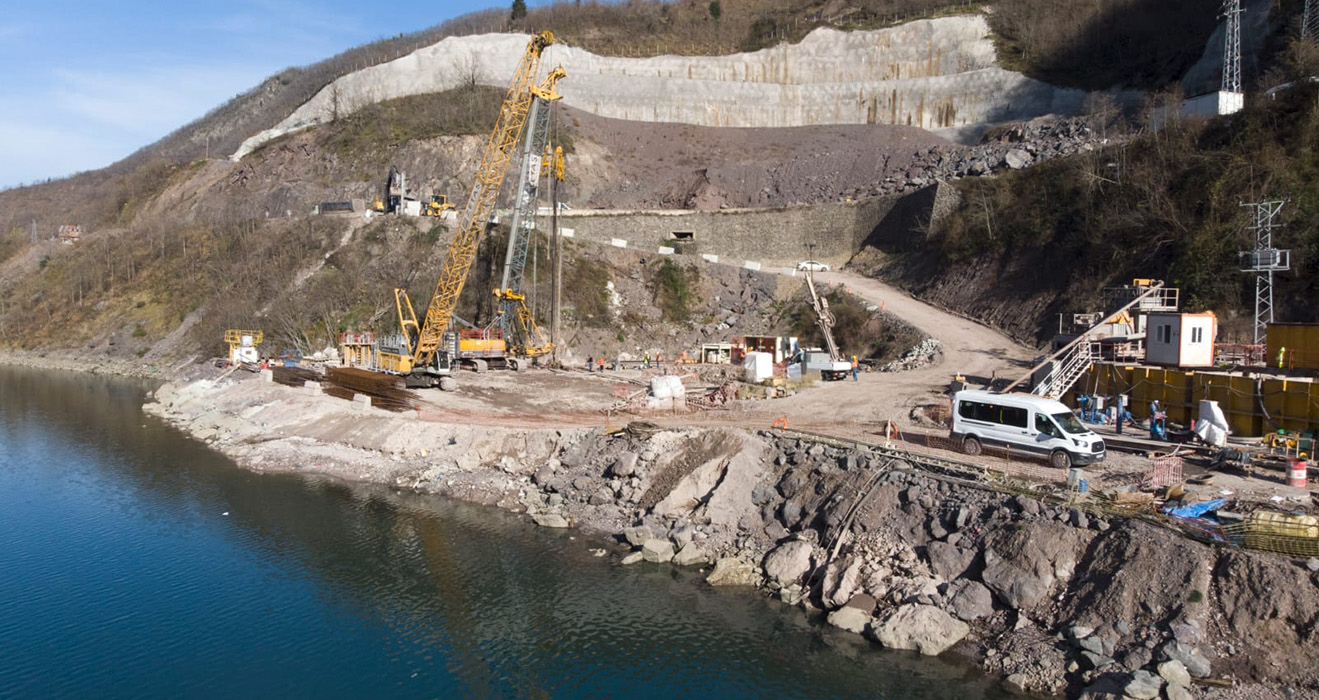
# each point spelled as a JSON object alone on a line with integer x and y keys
{"x": 1056, "y": 599}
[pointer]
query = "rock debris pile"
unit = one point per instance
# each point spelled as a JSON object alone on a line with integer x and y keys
{"x": 1053, "y": 598}
{"x": 927, "y": 352}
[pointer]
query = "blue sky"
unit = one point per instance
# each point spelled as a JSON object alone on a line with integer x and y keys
{"x": 87, "y": 83}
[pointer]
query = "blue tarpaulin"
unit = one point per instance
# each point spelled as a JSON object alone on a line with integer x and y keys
{"x": 1195, "y": 510}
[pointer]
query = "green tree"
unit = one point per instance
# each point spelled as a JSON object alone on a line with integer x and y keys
{"x": 716, "y": 10}
{"x": 519, "y": 10}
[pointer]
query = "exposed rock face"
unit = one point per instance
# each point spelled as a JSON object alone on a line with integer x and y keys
{"x": 922, "y": 628}
{"x": 928, "y": 73}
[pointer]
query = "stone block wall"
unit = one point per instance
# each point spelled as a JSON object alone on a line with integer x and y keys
{"x": 769, "y": 237}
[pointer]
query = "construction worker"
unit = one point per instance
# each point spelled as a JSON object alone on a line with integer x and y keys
{"x": 684, "y": 357}
{"x": 601, "y": 363}
{"x": 855, "y": 367}
{"x": 590, "y": 363}
{"x": 1282, "y": 354}
{"x": 645, "y": 361}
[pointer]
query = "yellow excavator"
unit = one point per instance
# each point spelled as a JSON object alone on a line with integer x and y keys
{"x": 427, "y": 350}
{"x": 395, "y": 199}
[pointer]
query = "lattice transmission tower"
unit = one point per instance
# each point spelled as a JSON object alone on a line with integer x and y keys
{"x": 1310, "y": 20}
{"x": 1264, "y": 260}
{"x": 1232, "y": 46}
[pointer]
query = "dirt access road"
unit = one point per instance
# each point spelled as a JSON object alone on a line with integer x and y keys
{"x": 845, "y": 408}
{"x": 971, "y": 349}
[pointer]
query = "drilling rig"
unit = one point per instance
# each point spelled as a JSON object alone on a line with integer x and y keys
{"x": 521, "y": 332}
{"x": 426, "y": 350}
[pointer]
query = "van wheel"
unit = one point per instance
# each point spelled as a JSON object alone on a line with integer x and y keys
{"x": 970, "y": 445}
{"x": 1060, "y": 459}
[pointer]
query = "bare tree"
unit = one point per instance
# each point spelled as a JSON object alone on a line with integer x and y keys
{"x": 468, "y": 71}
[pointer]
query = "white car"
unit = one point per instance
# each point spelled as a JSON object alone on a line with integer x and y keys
{"x": 812, "y": 266}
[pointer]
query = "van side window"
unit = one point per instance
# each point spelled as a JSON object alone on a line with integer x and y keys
{"x": 1016, "y": 417}
{"x": 989, "y": 413}
{"x": 1044, "y": 425}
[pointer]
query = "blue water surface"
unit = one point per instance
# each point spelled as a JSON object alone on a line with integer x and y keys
{"x": 136, "y": 563}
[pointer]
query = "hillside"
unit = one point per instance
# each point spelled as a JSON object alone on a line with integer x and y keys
{"x": 180, "y": 248}
{"x": 1020, "y": 249}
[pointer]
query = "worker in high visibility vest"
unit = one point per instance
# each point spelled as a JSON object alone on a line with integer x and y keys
{"x": 855, "y": 367}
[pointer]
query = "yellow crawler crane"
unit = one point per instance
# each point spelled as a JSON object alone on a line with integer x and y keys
{"x": 423, "y": 354}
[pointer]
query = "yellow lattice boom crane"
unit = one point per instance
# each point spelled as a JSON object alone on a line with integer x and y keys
{"x": 424, "y": 353}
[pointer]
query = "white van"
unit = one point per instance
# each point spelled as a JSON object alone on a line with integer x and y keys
{"x": 1024, "y": 422}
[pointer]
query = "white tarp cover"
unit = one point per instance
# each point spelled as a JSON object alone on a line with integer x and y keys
{"x": 1212, "y": 425}
{"x": 759, "y": 366}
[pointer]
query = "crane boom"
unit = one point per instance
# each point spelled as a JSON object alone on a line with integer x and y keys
{"x": 481, "y": 203}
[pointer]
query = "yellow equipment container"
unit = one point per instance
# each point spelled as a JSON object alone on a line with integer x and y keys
{"x": 1293, "y": 346}
{"x": 1253, "y": 405}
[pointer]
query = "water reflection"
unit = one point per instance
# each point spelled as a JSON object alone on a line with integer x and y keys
{"x": 127, "y": 579}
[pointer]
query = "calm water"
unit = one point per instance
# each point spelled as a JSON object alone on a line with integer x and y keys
{"x": 137, "y": 563}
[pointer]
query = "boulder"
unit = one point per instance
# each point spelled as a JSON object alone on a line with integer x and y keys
{"x": 633, "y": 558}
{"x": 731, "y": 571}
{"x": 789, "y": 562}
{"x": 1104, "y": 688}
{"x": 843, "y": 584}
{"x": 1177, "y": 692}
{"x": 1143, "y": 686}
{"x": 1016, "y": 587}
{"x": 1195, "y": 662}
{"x": 1016, "y": 159}
{"x": 637, "y": 536}
{"x": 691, "y": 554}
{"x": 550, "y": 520}
{"x": 625, "y": 465}
{"x": 658, "y": 551}
{"x": 849, "y": 618}
{"x": 1040, "y": 555}
{"x": 948, "y": 561}
{"x": 1175, "y": 673}
{"x": 922, "y": 628}
{"x": 970, "y": 600}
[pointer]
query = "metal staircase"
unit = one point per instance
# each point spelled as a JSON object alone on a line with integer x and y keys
{"x": 1067, "y": 369}
{"x": 1073, "y": 359}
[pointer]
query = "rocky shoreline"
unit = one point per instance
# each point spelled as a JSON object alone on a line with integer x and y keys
{"x": 1054, "y": 599}
{"x": 72, "y": 361}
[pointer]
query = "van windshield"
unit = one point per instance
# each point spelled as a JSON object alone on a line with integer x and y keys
{"x": 1069, "y": 423}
